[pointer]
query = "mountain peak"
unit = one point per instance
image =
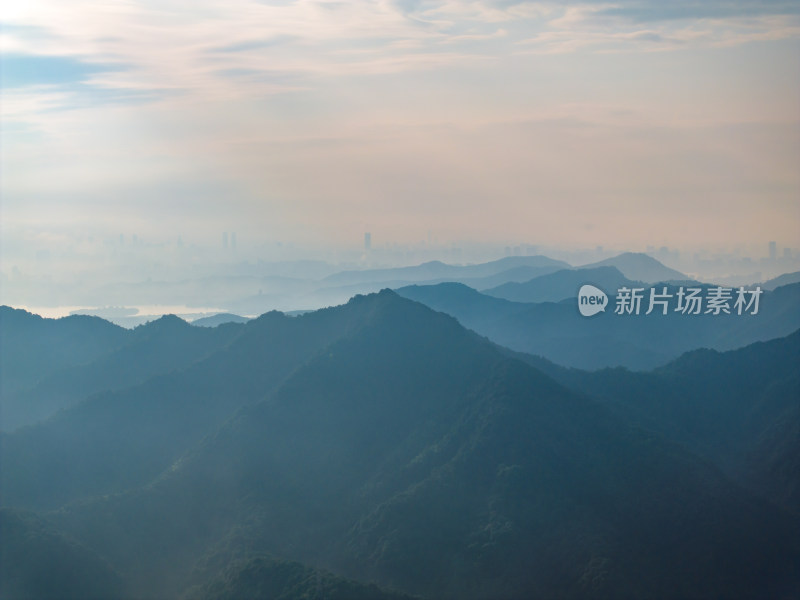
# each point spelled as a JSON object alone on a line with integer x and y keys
{"x": 434, "y": 263}
{"x": 560, "y": 285}
{"x": 164, "y": 324}
{"x": 385, "y": 303}
{"x": 640, "y": 267}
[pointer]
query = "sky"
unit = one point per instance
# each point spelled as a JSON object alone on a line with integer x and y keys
{"x": 559, "y": 123}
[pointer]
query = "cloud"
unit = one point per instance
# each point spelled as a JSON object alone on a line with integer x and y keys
{"x": 194, "y": 48}
{"x": 650, "y": 10}
{"x": 622, "y": 27}
{"x": 311, "y": 115}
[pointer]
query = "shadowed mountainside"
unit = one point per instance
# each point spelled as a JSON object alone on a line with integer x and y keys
{"x": 32, "y": 347}
{"x": 383, "y": 442}
{"x": 38, "y": 562}
{"x": 738, "y": 409}
{"x": 155, "y": 348}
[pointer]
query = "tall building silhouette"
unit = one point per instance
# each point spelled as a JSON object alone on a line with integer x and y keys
{"x": 368, "y": 241}
{"x": 773, "y": 250}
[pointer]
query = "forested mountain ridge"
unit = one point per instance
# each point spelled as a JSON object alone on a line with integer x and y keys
{"x": 383, "y": 442}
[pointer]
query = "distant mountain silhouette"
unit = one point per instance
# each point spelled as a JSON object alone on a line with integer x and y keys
{"x": 436, "y": 270}
{"x": 108, "y": 312}
{"x": 219, "y": 319}
{"x": 387, "y": 443}
{"x": 561, "y": 285}
{"x": 340, "y": 287}
{"x": 781, "y": 280}
{"x": 640, "y": 267}
{"x": 558, "y": 332}
{"x": 516, "y": 274}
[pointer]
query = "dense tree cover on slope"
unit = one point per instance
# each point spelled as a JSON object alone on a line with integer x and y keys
{"x": 156, "y": 348}
{"x": 38, "y": 562}
{"x": 32, "y": 347}
{"x": 384, "y": 443}
{"x": 264, "y": 577}
{"x": 739, "y": 409}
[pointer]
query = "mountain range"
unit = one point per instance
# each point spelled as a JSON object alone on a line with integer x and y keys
{"x": 252, "y": 288}
{"x": 379, "y": 449}
{"x": 50, "y": 364}
{"x": 557, "y": 331}
{"x": 560, "y": 285}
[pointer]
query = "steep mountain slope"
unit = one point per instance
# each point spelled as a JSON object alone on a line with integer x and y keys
{"x": 38, "y": 562}
{"x": 739, "y": 409}
{"x": 412, "y": 453}
{"x": 117, "y": 440}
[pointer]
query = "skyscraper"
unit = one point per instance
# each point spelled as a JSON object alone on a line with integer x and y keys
{"x": 773, "y": 250}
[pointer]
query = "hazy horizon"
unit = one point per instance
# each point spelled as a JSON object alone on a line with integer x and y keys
{"x": 138, "y": 282}
{"x": 624, "y": 125}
